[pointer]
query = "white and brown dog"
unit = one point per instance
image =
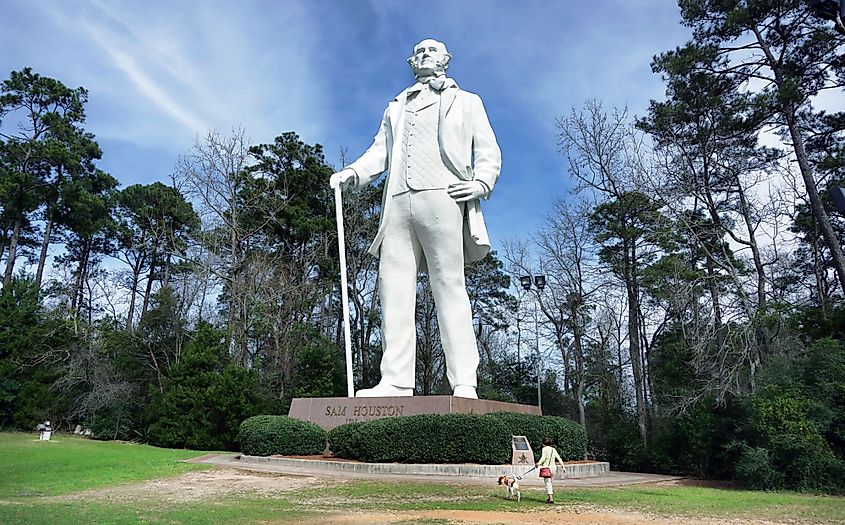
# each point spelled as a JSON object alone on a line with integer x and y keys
{"x": 511, "y": 487}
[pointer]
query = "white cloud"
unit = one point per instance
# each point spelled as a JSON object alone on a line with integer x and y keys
{"x": 145, "y": 84}
{"x": 159, "y": 74}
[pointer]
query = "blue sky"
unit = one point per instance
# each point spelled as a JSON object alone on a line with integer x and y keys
{"x": 160, "y": 73}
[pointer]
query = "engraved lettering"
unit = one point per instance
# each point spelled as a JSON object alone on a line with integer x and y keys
{"x": 336, "y": 411}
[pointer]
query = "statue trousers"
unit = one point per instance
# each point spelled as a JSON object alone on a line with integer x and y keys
{"x": 425, "y": 226}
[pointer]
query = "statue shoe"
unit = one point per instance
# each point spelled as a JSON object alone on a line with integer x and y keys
{"x": 385, "y": 390}
{"x": 465, "y": 391}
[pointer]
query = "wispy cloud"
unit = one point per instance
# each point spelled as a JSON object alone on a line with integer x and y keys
{"x": 160, "y": 74}
{"x": 144, "y": 83}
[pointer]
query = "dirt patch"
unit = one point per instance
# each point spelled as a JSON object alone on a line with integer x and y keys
{"x": 200, "y": 485}
{"x": 214, "y": 484}
{"x": 581, "y": 515}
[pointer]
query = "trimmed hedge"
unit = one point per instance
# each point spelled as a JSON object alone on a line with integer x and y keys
{"x": 346, "y": 441}
{"x": 427, "y": 438}
{"x": 569, "y": 437}
{"x": 268, "y": 435}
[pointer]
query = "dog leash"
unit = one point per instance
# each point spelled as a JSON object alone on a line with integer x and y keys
{"x": 527, "y": 471}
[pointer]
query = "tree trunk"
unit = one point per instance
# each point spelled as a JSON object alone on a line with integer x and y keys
{"x": 818, "y": 273}
{"x": 828, "y": 233}
{"x": 45, "y": 245}
{"x": 13, "y": 248}
{"x": 789, "y": 112}
{"x": 149, "y": 287}
{"x": 634, "y": 338}
{"x": 167, "y": 262}
{"x": 579, "y": 363}
{"x": 133, "y": 293}
{"x": 77, "y": 294}
{"x": 567, "y": 365}
{"x": 717, "y": 319}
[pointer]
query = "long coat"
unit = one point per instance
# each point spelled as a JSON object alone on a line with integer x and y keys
{"x": 467, "y": 147}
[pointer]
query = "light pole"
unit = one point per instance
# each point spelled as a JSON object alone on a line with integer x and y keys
{"x": 540, "y": 283}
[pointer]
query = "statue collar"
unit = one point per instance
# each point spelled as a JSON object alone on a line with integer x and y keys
{"x": 447, "y": 84}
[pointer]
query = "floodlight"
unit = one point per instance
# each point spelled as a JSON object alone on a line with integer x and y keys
{"x": 525, "y": 280}
{"x": 838, "y": 196}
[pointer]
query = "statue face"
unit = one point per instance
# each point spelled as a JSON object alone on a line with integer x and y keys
{"x": 430, "y": 58}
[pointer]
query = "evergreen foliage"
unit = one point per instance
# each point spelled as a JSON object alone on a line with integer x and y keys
{"x": 206, "y": 395}
{"x": 568, "y": 437}
{"x": 269, "y": 435}
{"x": 427, "y": 438}
{"x": 29, "y": 362}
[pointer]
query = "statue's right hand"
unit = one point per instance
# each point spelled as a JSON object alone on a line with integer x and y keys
{"x": 341, "y": 178}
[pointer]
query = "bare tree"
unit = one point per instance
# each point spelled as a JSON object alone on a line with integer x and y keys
{"x": 214, "y": 173}
{"x": 605, "y": 154}
{"x": 569, "y": 250}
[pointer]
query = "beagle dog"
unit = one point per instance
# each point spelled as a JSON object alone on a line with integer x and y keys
{"x": 511, "y": 487}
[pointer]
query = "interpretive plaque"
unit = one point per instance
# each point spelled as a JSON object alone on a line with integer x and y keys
{"x": 522, "y": 453}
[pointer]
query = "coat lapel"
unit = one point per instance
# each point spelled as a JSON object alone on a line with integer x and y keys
{"x": 395, "y": 112}
{"x": 447, "y": 98}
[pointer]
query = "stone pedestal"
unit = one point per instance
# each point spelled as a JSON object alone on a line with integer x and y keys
{"x": 329, "y": 412}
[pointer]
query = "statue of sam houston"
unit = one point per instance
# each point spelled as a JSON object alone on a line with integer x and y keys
{"x": 440, "y": 154}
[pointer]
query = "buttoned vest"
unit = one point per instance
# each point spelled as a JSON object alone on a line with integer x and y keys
{"x": 422, "y": 167}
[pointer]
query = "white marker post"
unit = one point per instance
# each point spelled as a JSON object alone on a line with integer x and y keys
{"x": 344, "y": 289}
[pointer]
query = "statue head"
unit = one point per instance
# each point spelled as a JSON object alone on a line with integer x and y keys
{"x": 429, "y": 58}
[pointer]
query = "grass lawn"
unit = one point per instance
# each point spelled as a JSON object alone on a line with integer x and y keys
{"x": 40, "y": 482}
{"x": 68, "y": 463}
{"x": 684, "y": 501}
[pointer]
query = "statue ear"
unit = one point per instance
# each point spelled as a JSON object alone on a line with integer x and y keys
{"x": 446, "y": 59}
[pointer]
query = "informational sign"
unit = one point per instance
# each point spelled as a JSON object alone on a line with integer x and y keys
{"x": 521, "y": 451}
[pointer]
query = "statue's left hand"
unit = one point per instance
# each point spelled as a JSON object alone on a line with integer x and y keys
{"x": 467, "y": 190}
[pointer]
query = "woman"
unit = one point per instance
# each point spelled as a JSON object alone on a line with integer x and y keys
{"x": 547, "y": 467}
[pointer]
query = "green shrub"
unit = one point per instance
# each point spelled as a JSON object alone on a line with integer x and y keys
{"x": 697, "y": 441}
{"x": 268, "y": 435}
{"x": 807, "y": 464}
{"x": 113, "y": 421}
{"x": 345, "y": 440}
{"x": 319, "y": 371}
{"x": 790, "y": 445}
{"x": 755, "y": 469}
{"x": 206, "y": 395}
{"x": 568, "y": 437}
{"x": 427, "y": 438}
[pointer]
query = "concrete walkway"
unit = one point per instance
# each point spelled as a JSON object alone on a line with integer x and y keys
{"x": 324, "y": 469}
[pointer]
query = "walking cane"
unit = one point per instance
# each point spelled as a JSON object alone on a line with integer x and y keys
{"x": 344, "y": 289}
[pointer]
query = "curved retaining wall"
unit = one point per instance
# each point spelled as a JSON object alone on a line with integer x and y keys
{"x": 573, "y": 470}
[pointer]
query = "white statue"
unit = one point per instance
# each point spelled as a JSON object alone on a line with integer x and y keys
{"x": 441, "y": 157}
